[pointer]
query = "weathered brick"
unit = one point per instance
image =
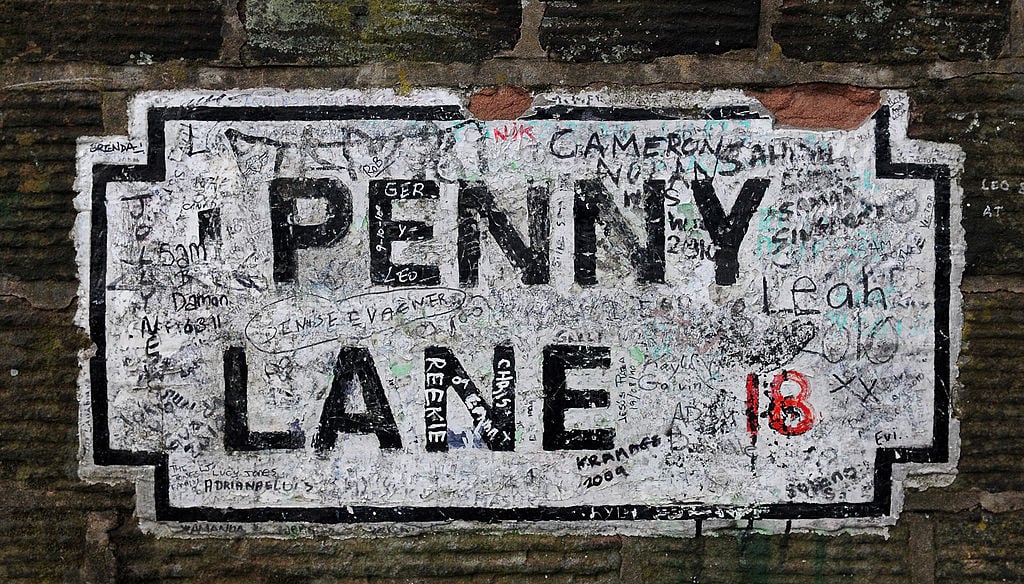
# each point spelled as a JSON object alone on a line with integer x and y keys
{"x": 991, "y": 400}
{"x": 798, "y": 557}
{"x": 359, "y": 31}
{"x": 37, "y": 169}
{"x": 41, "y": 546}
{"x": 615, "y": 31}
{"x": 68, "y": 497}
{"x": 977, "y": 546}
{"x": 429, "y": 558}
{"x": 892, "y": 31}
{"x": 38, "y": 439}
{"x": 109, "y": 31}
{"x": 983, "y": 114}
{"x": 657, "y": 560}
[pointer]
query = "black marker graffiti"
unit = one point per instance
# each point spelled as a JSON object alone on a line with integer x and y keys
{"x": 495, "y": 424}
{"x": 384, "y": 231}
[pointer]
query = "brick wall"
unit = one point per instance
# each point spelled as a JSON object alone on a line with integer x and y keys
{"x": 68, "y": 68}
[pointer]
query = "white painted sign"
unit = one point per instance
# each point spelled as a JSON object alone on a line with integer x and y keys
{"x": 656, "y": 313}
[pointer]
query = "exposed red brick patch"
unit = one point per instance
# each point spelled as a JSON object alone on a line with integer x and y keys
{"x": 505, "y": 102}
{"x": 820, "y": 106}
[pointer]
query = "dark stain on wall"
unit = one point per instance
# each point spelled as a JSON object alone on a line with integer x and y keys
{"x": 892, "y": 31}
{"x": 343, "y": 32}
{"x": 109, "y": 31}
{"x": 635, "y": 30}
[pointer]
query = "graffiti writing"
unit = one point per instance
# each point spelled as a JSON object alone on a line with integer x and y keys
{"x": 342, "y": 309}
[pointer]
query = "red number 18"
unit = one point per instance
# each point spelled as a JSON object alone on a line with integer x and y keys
{"x": 789, "y": 415}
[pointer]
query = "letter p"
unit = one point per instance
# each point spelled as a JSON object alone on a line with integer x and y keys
{"x": 289, "y": 235}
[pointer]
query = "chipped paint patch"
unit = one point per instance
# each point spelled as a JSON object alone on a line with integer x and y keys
{"x": 820, "y": 106}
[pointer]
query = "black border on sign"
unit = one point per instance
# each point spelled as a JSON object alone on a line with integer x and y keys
{"x": 154, "y": 170}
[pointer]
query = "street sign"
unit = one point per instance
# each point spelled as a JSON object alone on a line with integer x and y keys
{"x": 644, "y": 313}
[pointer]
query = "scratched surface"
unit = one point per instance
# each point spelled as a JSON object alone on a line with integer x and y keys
{"x": 360, "y": 307}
